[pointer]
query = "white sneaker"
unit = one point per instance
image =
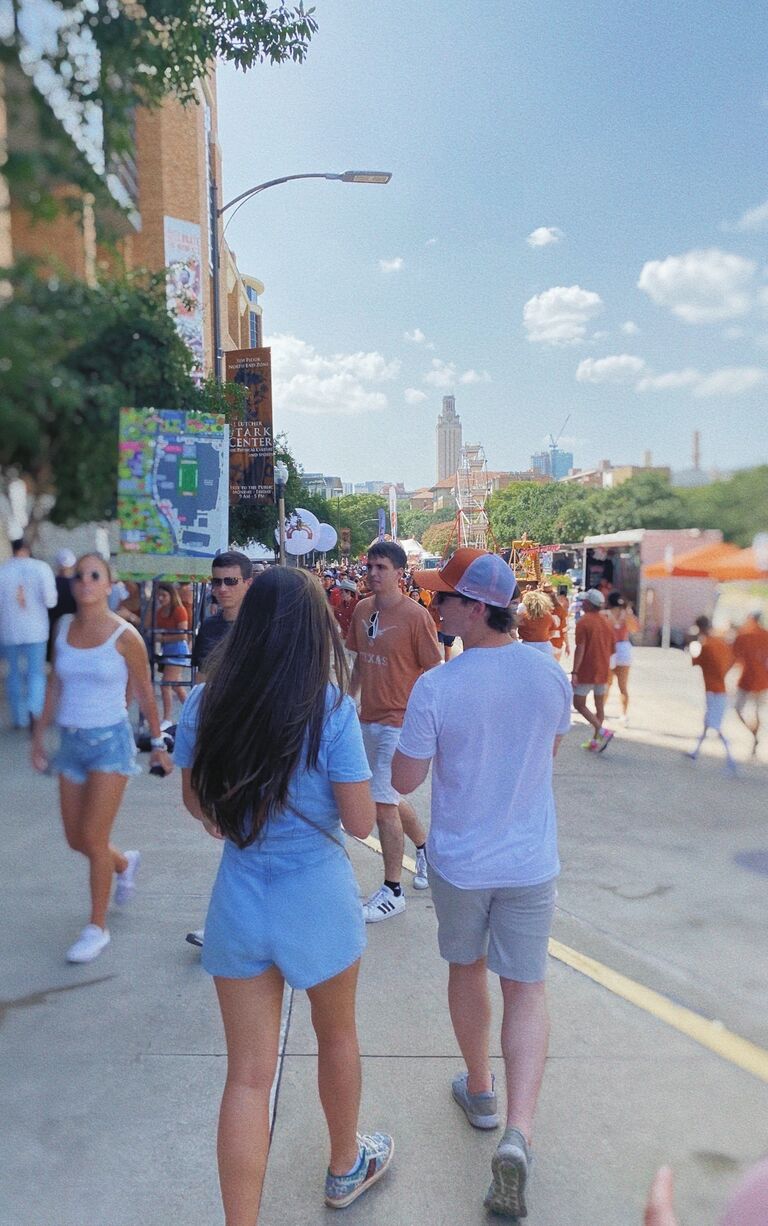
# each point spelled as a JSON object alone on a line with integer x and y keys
{"x": 126, "y": 881}
{"x": 383, "y": 905}
{"x": 89, "y": 944}
{"x": 420, "y": 879}
{"x": 196, "y": 938}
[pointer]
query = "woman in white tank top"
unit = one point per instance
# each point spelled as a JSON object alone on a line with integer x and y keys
{"x": 96, "y": 655}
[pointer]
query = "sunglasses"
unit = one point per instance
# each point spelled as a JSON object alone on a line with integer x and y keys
{"x": 82, "y": 575}
{"x": 227, "y": 581}
{"x": 373, "y": 625}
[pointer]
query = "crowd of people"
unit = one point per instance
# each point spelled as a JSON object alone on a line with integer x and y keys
{"x": 322, "y": 701}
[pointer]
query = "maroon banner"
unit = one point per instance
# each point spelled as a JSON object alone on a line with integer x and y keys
{"x": 251, "y": 441}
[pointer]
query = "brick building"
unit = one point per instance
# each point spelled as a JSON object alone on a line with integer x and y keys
{"x": 158, "y": 215}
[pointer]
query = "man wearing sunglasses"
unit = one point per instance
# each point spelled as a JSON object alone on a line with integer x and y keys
{"x": 231, "y": 575}
{"x": 490, "y": 722}
{"x": 395, "y": 642}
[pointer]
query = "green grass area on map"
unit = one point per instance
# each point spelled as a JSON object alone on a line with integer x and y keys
{"x": 187, "y": 479}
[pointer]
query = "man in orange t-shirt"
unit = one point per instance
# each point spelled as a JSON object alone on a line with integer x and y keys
{"x": 395, "y": 641}
{"x": 592, "y": 667}
{"x": 714, "y": 658}
{"x": 750, "y": 648}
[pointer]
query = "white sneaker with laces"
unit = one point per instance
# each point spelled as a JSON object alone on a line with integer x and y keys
{"x": 196, "y": 938}
{"x": 383, "y": 905}
{"x": 126, "y": 881}
{"x": 420, "y": 879}
{"x": 89, "y": 944}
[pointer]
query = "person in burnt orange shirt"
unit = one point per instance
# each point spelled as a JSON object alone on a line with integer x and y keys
{"x": 713, "y": 656}
{"x": 750, "y": 648}
{"x": 536, "y": 621}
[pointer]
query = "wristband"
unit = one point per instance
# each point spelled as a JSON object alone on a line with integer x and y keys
{"x": 158, "y": 742}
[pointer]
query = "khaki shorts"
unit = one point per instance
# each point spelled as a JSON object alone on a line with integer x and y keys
{"x": 509, "y": 926}
{"x": 381, "y": 741}
{"x": 758, "y": 697}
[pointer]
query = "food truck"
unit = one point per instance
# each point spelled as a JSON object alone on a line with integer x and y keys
{"x": 620, "y": 558}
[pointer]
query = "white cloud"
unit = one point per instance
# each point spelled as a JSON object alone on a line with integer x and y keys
{"x": 727, "y": 381}
{"x": 446, "y": 375}
{"x": 630, "y": 328}
{"x": 754, "y": 219}
{"x": 670, "y": 381}
{"x": 543, "y": 236}
{"x": 307, "y": 382}
{"x": 394, "y": 265}
{"x": 413, "y": 395}
{"x": 700, "y": 286}
{"x": 417, "y": 336}
{"x": 559, "y": 316}
{"x": 430, "y": 242}
{"x": 731, "y": 381}
{"x": 618, "y": 368}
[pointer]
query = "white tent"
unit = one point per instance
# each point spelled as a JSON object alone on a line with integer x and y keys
{"x": 412, "y": 548}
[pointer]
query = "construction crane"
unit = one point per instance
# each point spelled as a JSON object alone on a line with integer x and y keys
{"x": 554, "y": 441}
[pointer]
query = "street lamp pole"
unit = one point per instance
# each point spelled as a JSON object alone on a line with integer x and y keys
{"x": 281, "y": 480}
{"x": 348, "y": 176}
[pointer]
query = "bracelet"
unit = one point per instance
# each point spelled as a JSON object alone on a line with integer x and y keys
{"x": 158, "y": 742}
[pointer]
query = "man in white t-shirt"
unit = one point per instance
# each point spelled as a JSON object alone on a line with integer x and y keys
{"x": 490, "y": 721}
{"x": 27, "y": 592}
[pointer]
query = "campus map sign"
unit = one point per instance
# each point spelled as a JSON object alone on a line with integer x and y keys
{"x": 252, "y": 451}
{"x": 173, "y": 480}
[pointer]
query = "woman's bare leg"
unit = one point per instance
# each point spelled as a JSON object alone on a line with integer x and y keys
{"x": 338, "y": 1063}
{"x": 250, "y": 1010}
{"x": 100, "y": 802}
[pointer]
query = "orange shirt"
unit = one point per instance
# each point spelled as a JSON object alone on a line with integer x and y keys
{"x": 595, "y": 633}
{"x": 714, "y": 660}
{"x": 560, "y": 632}
{"x": 393, "y": 649}
{"x": 176, "y": 618}
{"x": 750, "y": 647}
{"x": 535, "y": 629}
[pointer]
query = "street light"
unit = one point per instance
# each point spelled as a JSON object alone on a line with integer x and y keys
{"x": 348, "y": 176}
{"x": 281, "y": 480}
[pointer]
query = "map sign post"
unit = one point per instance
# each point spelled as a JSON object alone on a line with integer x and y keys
{"x": 173, "y": 484}
{"x": 252, "y": 450}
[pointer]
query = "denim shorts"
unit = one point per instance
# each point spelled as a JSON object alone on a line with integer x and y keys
{"x": 298, "y": 912}
{"x": 111, "y": 751}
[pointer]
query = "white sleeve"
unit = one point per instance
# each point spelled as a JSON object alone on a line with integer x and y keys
{"x": 50, "y": 595}
{"x": 418, "y": 738}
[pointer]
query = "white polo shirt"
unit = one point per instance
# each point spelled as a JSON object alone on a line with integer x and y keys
{"x": 27, "y": 592}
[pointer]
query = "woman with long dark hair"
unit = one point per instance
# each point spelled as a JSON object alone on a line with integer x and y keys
{"x": 96, "y": 657}
{"x": 279, "y": 767}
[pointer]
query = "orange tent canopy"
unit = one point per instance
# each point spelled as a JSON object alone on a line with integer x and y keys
{"x": 740, "y": 565}
{"x": 697, "y": 564}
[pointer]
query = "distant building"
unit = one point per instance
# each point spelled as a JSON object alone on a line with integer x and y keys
{"x": 371, "y": 487}
{"x": 608, "y": 476}
{"x": 321, "y": 486}
{"x": 253, "y": 290}
{"x": 448, "y": 439}
{"x": 552, "y": 463}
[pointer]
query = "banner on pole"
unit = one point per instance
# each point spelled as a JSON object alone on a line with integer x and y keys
{"x": 251, "y": 441}
{"x": 393, "y": 512}
{"x": 382, "y": 523}
{"x": 184, "y": 285}
{"x": 346, "y": 541}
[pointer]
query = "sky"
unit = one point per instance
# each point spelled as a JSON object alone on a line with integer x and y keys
{"x": 575, "y": 229}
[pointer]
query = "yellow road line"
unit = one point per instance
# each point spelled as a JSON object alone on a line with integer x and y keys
{"x": 710, "y": 1034}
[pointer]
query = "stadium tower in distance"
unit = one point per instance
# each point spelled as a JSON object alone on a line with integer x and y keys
{"x": 448, "y": 439}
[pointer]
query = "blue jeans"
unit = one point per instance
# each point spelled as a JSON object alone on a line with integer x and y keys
{"x": 25, "y": 685}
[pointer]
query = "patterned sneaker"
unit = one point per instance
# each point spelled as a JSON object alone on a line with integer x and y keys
{"x": 482, "y": 1110}
{"x": 126, "y": 881}
{"x": 420, "y": 879}
{"x": 196, "y": 938}
{"x": 376, "y": 1153}
{"x": 592, "y": 746}
{"x": 510, "y": 1165}
{"x": 606, "y": 736}
{"x": 383, "y": 905}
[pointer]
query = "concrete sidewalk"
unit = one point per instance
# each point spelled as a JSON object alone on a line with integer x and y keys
{"x": 111, "y": 1073}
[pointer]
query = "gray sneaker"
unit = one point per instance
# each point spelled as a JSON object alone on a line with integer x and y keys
{"x": 510, "y": 1166}
{"x": 482, "y": 1110}
{"x": 420, "y": 878}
